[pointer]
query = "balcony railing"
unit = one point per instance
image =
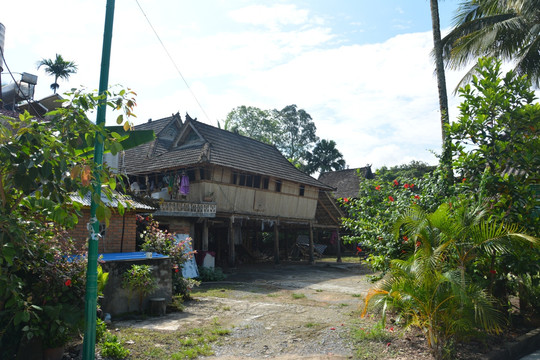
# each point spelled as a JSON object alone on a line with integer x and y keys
{"x": 186, "y": 208}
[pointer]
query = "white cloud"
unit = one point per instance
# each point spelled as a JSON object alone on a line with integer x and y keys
{"x": 271, "y": 16}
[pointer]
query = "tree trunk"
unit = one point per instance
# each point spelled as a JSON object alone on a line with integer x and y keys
{"x": 441, "y": 85}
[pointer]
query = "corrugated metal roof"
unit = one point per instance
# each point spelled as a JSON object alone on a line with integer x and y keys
{"x": 125, "y": 200}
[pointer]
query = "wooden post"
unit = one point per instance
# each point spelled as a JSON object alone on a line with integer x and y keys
{"x": 311, "y": 245}
{"x": 276, "y": 243}
{"x": 232, "y": 257}
{"x": 286, "y": 237}
{"x": 338, "y": 246}
{"x": 205, "y": 235}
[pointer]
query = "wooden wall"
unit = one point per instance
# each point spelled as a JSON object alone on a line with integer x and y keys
{"x": 234, "y": 198}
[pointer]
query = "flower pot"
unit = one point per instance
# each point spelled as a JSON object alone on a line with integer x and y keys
{"x": 53, "y": 353}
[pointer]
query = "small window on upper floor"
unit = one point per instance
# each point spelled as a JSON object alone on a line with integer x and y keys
{"x": 242, "y": 181}
{"x": 302, "y": 190}
{"x": 278, "y": 186}
{"x": 256, "y": 181}
{"x": 234, "y": 178}
{"x": 266, "y": 182}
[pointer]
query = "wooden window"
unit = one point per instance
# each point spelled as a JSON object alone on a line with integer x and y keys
{"x": 234, "y": 178}
{"x": 242, "y": 181}
{"x": 302, "y": 190}
{"x": 249, "y": 180}
{"x": 257, "y": 181}
{"x": 266, "y": 182}
{"x": 278, "y": 186}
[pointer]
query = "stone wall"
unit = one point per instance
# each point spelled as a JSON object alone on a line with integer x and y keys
{"x": 115, "y": 299}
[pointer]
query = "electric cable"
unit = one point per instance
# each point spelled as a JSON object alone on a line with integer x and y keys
{"x": 172, "y": 60}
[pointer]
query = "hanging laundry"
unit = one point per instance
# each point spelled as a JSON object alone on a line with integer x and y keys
{"x": 184, "y": 185}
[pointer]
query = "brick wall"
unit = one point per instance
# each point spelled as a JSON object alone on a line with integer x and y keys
{"x": 112, "y": 240}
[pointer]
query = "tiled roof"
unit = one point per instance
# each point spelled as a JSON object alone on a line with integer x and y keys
{"x": 346, "y": 182}
{"x": 218, "y": 147}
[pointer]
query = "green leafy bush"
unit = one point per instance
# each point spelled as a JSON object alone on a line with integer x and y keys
{"x": 114, "y": 350}
{"x": 140, "y": 281}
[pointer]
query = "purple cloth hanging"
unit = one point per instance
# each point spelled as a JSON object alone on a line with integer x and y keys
{"x": 184, "y": 185}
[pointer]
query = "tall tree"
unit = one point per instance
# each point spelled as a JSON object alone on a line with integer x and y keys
{"x": 324, "y": 157}
{"x": 507, "y": 30}
{"x": 298, "y": 133}
{"x": 441, "y": 85}
{"x": 59, "y": 68}
{"x": 255, "y": 123}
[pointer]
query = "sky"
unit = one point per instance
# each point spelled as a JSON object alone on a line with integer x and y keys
{"x": 362, "y": 69}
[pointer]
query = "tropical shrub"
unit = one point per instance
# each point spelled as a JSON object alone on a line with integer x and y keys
{"x": 41, "y": 164}
{"x": 166, "y": 243}
{"x": 140, "y": 281}
{"x": 434, "y": 288}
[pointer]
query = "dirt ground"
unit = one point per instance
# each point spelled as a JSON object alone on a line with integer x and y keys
{"x": 295, "y": 311}
{"x": 289, "y": 311}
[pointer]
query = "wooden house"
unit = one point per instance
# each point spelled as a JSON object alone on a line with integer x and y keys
{"x": 233, "y": 195}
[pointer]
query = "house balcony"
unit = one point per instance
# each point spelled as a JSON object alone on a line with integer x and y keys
{"x": 186, "y": 208}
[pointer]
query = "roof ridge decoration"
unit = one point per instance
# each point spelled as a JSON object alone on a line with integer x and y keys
{"x": 188, "y": 135}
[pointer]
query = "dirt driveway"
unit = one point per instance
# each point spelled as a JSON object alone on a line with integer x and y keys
{"x": 290, "y": 311}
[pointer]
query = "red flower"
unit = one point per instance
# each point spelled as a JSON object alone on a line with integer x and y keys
{"x": 391, "y": 198}
{"x": 396, "y": 183}
{"x": 345, "y": 200}
{"x": 388, "y": 344}
{"x": 492, "y": 271}
{"x": 405, "y": 238}
{"x": 406, "y": 186}
{"x": 68, "y": 282}
{"x": 463, "y": 180}
{"x": 378, "y": 187}
{"x": 403, "y": 251}
{"x": 391, "y": 329}
{"x": 332, "y": 328}
{"x": 418, "y": 243}
{"x": 417, "y": 197}
{"x": 412, "y": 185}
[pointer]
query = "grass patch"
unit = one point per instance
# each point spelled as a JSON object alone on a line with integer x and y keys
{"x": 356, "y": 295}
{"x": 318, "y": 290}
{"x": 162, "y": 345}
{"x": 372, "y": 341}
{"x": 220, "y": 292}
{"x": 297, "y": 296}
{"x": 344, "y": 305}
{"x": 272, "y": 295}
{"x": 311, "y": 324}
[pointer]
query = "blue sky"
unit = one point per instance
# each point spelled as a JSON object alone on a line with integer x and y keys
{"x": 361, "y": 68}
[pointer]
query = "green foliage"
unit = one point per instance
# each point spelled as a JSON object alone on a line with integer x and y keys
{"x": 139, "y": 280}
{"x": 183, "y": 286}
{"x": 413, "y": 170}
{"x": 496, "y": 146}
{"x": 324, "y": 157}
{"x": 371, "y": 216}
{"x": 211, "y": 274}
{"x": 114, "y": 349}
{"x": 437, "y": 288}
{"x": 42, "y": 163}
{"x": 290, "y": 129}
{"x": 101, "y": 330}
{"x": 59, "y": 68}
{"x": 102, "y": 279}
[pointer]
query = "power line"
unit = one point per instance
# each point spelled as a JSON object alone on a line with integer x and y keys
{"x": 172, "y": 60}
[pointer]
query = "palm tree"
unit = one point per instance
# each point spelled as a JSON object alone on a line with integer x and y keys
{"x": 324, "y": 157}
{"x": 431, "y": 289}
{"x": 441, "y": 85}
{"x": 59, "y": 68}
{"x": 505, "y": 29}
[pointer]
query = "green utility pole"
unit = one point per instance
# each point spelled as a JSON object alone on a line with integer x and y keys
{"x": 90, "y": 309}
